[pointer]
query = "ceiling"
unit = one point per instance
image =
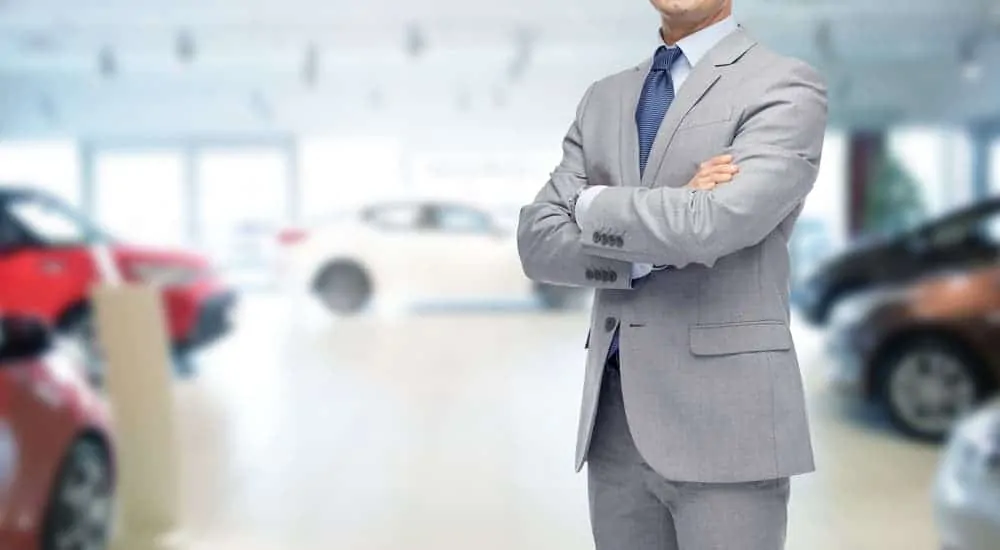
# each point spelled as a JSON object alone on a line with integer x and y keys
{"x": 433, "y": 69}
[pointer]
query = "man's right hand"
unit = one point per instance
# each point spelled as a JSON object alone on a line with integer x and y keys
{"x": 714, "y": 171}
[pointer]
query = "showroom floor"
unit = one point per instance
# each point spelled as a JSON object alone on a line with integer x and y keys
{"x": 454, "y": 429}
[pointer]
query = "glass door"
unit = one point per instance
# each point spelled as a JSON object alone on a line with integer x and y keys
{"x": 139, "y": 196}
{"x": 242, "y": 203}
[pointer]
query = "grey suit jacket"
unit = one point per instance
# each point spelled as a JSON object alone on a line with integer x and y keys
{"x": 710, "y": 379}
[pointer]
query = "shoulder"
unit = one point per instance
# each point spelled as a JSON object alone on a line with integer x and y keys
{"x": 767, "y": 68}
{"x": 609, "y": 88}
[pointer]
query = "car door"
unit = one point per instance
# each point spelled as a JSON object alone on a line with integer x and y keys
{"x": 45, "y": 262}
{"x": 472, "y": 256}
{"x": 396, "y": 245}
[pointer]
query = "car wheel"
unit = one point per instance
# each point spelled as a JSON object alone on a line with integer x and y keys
{"x": 928, "y": 384}
{"x": 79, "y": 513}
{"x": 558, "y": 297}
{"x": 79, "y": 329}
{"x": 344, "y": 287}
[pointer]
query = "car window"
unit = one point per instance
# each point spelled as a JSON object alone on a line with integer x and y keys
{"x": 10, "y": 235}
{"x": 48, "y": 221}
{"x": 989, "y": 228}
{"x": 401, "y": 217}
{"x": 459, "y": 219}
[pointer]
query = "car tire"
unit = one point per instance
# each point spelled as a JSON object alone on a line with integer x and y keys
{"x": 559, "y": 298}
{"x": 80, "y": 508}
{"x": 344, "y": 287}
{"x": 78, "y": 326}
{"x": 927, "y": 384}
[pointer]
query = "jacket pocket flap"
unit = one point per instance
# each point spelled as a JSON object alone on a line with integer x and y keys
{"x": 695, "y": 120}
{"x": 731, "y": 338}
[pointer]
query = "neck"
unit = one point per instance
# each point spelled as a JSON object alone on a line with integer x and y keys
{"x": 673, "y": 31}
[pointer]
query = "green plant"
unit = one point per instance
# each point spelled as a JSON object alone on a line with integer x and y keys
{"x": 894, "y": 198}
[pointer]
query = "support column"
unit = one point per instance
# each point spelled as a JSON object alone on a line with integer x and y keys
{"x": 982, "y": 162}
{"x": 192, "y": 195}
{"x": 88, "y": 179}
{"x": 865, "y": 151}
{"x": 293, "y": 182}
{"x": 132, "y": 331}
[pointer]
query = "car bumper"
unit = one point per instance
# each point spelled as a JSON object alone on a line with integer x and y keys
{"x": 807, "y": 299}
{"x": 846, "y": 362}
{"x": 212, "y": 322}
{"x": 967, "y": 509}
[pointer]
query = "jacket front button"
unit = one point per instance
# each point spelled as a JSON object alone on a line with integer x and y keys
{"x": 610, "y": 323}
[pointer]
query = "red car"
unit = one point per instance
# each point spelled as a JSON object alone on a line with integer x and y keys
{"x": 57, "y": 467}
{"x": 47, "y": 267}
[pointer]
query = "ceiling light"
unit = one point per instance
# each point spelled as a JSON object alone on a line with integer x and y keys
{"x": 524, "y": 45}
{"x": 969, "y": 60}
{"x": 185, "y": 47}
{"x": 107, "y": 62}
{"x": 310, "y": 66}
{"x": 416, "y": 42}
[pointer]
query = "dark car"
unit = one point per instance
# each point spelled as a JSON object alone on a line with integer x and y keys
{"x": 927, "y": 351}
{"x": 962, "y": 239}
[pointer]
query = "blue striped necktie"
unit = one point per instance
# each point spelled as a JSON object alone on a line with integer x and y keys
{"x": 657, "y": 95}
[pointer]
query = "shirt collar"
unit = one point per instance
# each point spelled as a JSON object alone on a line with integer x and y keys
{"x": 696, "y": 46}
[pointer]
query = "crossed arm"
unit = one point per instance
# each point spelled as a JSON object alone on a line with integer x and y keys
{"x": 549, "y": 239}
{"x": 777, "y": 149}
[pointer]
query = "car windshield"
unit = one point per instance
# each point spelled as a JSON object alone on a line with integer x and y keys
{"x": 53, "y": 222}
{"x": 983, "y": 226}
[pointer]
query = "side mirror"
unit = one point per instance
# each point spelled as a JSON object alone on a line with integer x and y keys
{"x": 23, "y": 336}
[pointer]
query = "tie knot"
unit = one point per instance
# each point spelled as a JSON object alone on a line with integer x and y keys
{"x": 665, "y": 57}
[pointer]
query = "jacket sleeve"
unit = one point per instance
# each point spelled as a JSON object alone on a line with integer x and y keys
{"x": 548, "y": 238}
{"x": 777, "y": 147}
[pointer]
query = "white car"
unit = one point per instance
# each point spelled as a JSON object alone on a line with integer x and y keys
{"x": 412, "y": 251}
{"x": 967, "y": 489}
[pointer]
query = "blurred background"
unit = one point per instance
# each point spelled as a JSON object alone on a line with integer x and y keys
{"x": 327, "y": 194}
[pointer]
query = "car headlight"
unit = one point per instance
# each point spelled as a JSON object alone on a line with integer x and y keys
{"x": 856, "y": 307}
{"x": 164, "y": 275}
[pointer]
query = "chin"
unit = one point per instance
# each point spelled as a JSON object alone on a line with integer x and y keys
{"x": 677, "y": 8}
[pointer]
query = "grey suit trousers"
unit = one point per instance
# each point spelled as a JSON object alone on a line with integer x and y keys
{"x": 632, "y": 507}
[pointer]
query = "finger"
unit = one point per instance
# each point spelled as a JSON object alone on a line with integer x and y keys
{"x": 717, "y": 160}
{"x": 716, "y": 177}
{"x": 720, "y": 169}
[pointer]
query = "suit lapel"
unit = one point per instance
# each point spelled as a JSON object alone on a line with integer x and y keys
{"x": 629, "y": 140}
{"x": 703, "y": 77}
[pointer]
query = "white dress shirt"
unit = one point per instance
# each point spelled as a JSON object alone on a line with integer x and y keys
{"x": 693, "y": 49}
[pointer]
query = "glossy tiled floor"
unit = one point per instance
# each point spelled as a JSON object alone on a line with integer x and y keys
{"x": 454, "y": 430}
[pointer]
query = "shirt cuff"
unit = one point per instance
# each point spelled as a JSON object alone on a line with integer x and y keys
{"x": 585, "y": 199}
{"x": 641, "y": 270}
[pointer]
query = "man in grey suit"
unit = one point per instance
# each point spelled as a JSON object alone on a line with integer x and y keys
{"x": 680, "y": 182}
